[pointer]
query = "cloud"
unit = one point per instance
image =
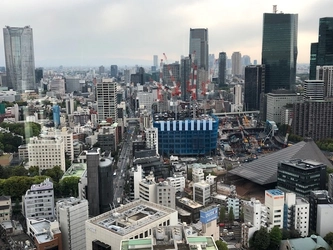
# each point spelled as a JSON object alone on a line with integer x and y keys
{"x": 90, "y": 32}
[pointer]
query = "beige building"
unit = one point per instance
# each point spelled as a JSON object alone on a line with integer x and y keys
{"x": 47, "y": 153}
{"x": 134, "y": 220}
{"x": 5, "y": 208}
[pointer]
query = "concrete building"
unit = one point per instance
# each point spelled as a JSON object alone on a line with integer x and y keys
{"x": 171, "y": 237}
{"x": 296, "y": 214}
{"x": 292, "y": 176}
{"x": 106, "y": 96}
{"x": 152, "y": 138}
{"x": 324, "y": 219}
{"x": 201, "y": 192}
{"x": 313, "y": 119}
{"x": 197, "y": 175}
{"x": 307, "y": 243}
{"x": 100, "y": 182}
{"x": 277, "y": 100}
{"x": 20, "y": 58}
{"x": 255, "y": 213}
{"x": 146, "y": 100}
{"x": 57, "y": 85}
{"x": 236, "y": 59}
{"x": 208, "y": 217}
{"x": 191, "y": 208}
{"x": 46, "y": 234}
{"x": 175, "y": 77}
{"x": 316, "y": 198}
{"x": 38, "y": 201}
{"x": 166, "y": 195}
{"x": 71, "y": 215}
{"x": 47, "y": 152}
{"x": 330, "y": 185}
{"x": 234, "y": 203}
{"x": 274, "y": 201}
{"x": 199, "y": 46}
{"x": 325, "y": 73}
{"x": 178, "y": 182}
{"x": 314, "y": 90}
{"x": 67, "y": 136}
{"x": 147, "y": 189}
{"x": 134, "y": 220}
{"x": 222, "y": 67}
{"x": 5, "y": 208}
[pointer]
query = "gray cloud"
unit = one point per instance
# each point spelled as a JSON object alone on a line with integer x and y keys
{"x": 128, "y": 32}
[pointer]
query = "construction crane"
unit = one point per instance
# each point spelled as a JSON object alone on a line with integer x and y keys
{"x": 285, "y": 144}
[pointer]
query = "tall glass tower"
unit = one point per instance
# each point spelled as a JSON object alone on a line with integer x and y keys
{"x": 322, "y": 51}
{"x": 279, "y": 50}
{"x": 20, "y": 60}
{"x": 199, "y": 44}
{"x": 222, "y": 67}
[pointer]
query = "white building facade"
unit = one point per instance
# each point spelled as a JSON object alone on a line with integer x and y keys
{"x": 71, "y": 215}
{"x": 47, "y": 153}
{"x": 106, "y": 94}
{"x": 274, "y": 201}
{"x": 38, "y": 201}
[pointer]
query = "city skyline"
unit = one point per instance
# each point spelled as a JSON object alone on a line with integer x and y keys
{"x": 84, "y": 33}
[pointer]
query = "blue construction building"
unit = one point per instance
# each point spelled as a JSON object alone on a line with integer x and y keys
{"x": 56, "y": 115}
{"x": 188, "y": 136}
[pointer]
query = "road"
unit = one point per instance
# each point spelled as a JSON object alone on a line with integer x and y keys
{"x": 119, "y": 176}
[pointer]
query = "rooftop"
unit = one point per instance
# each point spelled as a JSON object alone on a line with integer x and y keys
{"x": 304, "y": 164}
{"x": 130, "y": 217}
{"x": 275, "y": 192}
{"x": 190, "y": 203}
{"x": 264, "y": 170}
{"x": 76, "y": 170}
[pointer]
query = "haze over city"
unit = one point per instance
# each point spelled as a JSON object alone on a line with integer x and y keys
{"x": 83, "y": 33}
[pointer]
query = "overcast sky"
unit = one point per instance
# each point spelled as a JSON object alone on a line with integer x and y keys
{"x": 129, "y": 32}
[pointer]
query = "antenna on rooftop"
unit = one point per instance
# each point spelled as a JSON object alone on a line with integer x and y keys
{"x": 274, "y": 9}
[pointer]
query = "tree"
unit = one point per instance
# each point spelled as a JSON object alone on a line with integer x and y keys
{"x": 231, "y": 216}
{"x": 55, "y": 173}
{"x": 261, "y": 239}
{"x": 33, "y": 171}
{"x": 294, "y": 234}
{"x": 275, "y": 236}
{"x": 69, "y": 186}
{"x": 19, "y": 171}
{"x": 329, "y": 238}
{"x": 221, "y": 245}
{"x": 222, "y": 214}
{"x": 285, "y": 234}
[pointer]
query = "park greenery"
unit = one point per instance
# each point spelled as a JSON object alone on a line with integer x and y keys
{"x": 15, "y": 181}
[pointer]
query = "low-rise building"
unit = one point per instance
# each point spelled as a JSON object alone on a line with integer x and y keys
{"x": 5, "y": 208}
{"x": 308, "y": 243}
{"x": 134, "y": 220}
{"x": 46, "y": 234}
{"x": 170, "y": 237}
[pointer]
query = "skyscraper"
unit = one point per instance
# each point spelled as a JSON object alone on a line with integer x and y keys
{"x": 114, "y": 71}
{"x": 155, "y": 61}
{"x": 236, "y": 60}
{"x": 19, "y": 56}
{"x": 254, "y": 86}
{"x": 222, "y": 67}
{"x": 322, "y": 51}
{"x": 106, "y": 93}
{"x": 279, "y": 50}
{"x": 185, "y": 71}
{"x": 199, "y": 44}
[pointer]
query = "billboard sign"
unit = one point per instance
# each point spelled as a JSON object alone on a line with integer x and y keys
{"x": 208, "y": 216}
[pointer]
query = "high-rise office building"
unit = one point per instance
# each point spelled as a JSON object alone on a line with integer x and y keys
{"x": 254, "y": 86}
{"x": 246, "y": 60}
{"x": 325, "y": 73}
{"x": 38, "y": 75}
{"x": 100, "y": 182}
{"x": 199, "y": 44}
{"x": 279, "y": 50}
{"x": 114, "y": 71}
{"x": 20, "y": 59}
{"x": 236, "y": 60}
{"x": 155, "y": 61}
{"x": 101, "y": 70}
{"x": 322, "y": 51}
{"x": 222, "y": 67}
{"x": 106, "y": 93}
{"x": 314, "y": 90}
{"x": 185, "y": 71}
